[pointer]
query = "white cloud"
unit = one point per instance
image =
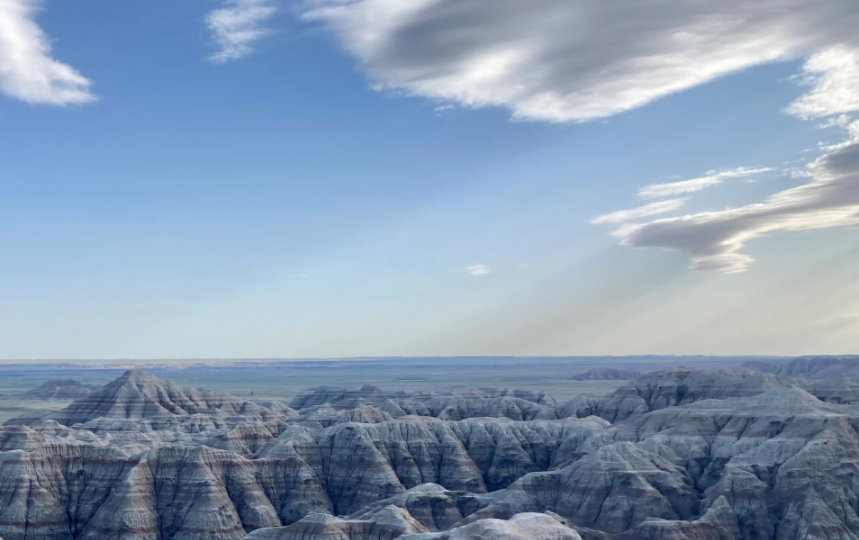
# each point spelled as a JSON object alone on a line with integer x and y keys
{"x": 570, "y": 61}
{"x": 833, "y": 75}
{"x": 715, "y": 240}
{"x": 478, "y": 270}
{"x": 27, "y": 71}
{"x": 236, "y": 26}
{"x": 652, "y": 209}
{"x": 561, "y": 61}
{"x": 712, "y": 178}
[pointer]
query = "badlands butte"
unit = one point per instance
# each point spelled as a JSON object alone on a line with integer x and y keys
{"x": 763, "y": 451}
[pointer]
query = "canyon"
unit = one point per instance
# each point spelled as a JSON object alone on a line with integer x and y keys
{"x": 742, "y": 452}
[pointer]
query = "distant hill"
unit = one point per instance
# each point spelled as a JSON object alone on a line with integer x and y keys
{"x": 61, "y": 389}
{"x": 607, "y": 374}
{"x": 812, "y": 367}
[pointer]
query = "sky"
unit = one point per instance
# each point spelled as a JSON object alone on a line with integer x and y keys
{"x": 318, "y": 178}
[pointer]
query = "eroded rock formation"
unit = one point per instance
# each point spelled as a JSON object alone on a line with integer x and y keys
{"x": 61, "y": 389}
{"x": 682, "y": 453}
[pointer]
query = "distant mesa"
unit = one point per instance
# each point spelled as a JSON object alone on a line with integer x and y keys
{"x": 674, "y": 387}
{"x": 817, "y": 368}
{"x": 607, "y": 374}
{"x": 61, "y": 389}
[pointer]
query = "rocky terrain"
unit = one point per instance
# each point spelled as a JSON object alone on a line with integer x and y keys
{"x": 681, "y": 453}
{"x": 62, "y": 389}
{"x": 815, "y": 368}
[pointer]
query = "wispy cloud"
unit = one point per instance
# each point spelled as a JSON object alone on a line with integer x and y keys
{"x": 712, "y": 178}
{"x": 478, "y": 270}
{"x": 715, "y": 240}
{"x": 833, "y": 75}
{"x": 652, "y": 209}
{"x": 692, "y": 185}
{"x": 237, "y": 26}
{"x": 27, "y": 70}
{"x": 563, "y": 61}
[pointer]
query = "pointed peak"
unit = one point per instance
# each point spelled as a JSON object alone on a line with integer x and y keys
{"x": 143, "y": 381}
{"x": 138, "y": 375}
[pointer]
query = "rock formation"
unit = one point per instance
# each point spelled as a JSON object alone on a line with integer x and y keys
{"x": 60, "y": 389}
{"x": 682, "y": 453}
{"x": 672, "y": 387}
{"x": 525, "y": 526}
{"x": 826, "y": 367}
{"x": 513, "y": 404}
{"x": 386, "y": 524}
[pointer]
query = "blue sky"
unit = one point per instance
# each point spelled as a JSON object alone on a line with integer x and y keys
{"x": 257, "y": 178}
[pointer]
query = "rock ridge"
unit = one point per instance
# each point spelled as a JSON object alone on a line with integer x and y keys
{"x": 681, "y": 453}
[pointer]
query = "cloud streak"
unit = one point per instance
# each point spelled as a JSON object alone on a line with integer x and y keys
{"x": 236, "y": 26}
{"x": 712, "y": 178}
{"x": 716, "y": 240}
{"x": 478, "y": 270}
{"x": 647, "y": 210}
{"x": 27, "y": 70}
{"x": 563, "y": 61}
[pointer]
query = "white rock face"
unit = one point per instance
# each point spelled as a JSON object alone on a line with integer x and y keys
{"x": 672, "y": 387}
{"x": 386, "y": 524}
{"x": 729, "y": 454}
{"x": 513, "y": 404}
{"x": 525, "y": 526}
